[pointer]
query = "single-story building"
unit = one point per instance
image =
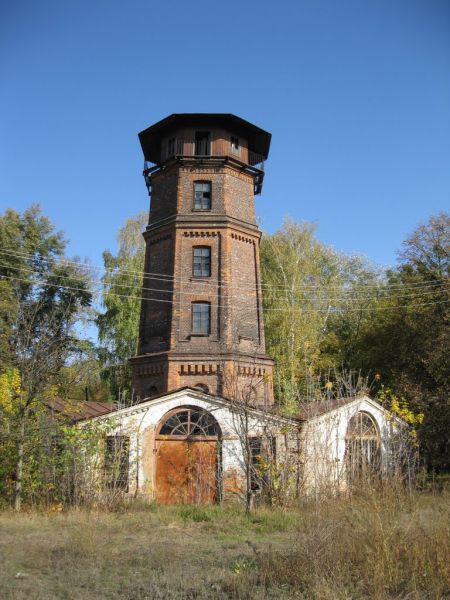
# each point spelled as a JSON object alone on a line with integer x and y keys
{"x": 190, "y": 446}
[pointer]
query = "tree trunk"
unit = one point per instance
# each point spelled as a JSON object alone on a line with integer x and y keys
{"x": 19, "y": 466}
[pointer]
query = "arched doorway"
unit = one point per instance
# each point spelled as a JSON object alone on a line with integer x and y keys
{"x": 362, "y": 448}
{"x": 188, "y": 457}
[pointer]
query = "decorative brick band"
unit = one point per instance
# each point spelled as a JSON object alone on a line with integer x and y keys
{"x": 150, "y": 370}
{"x": 160, "y": 239}
{"x": 242, "y": 238}
{"x": 251, "y": 371}
{"x": 193, "y": 369}
{"x": 200, "y": 234}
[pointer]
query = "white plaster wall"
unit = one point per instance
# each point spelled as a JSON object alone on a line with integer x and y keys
{"x": 322, "y": 438}
{"x": 140, "y": 424}
{"x": 323, "y": 441}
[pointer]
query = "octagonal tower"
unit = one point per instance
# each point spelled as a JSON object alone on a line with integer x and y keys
{"x": 201, "y": 315}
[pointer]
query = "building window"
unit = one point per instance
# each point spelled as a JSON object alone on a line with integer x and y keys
{"x": 203, "y": 387}
{"x": 202, "y": 195}
{"x": 234, "y": 143}
{"x": 117, "y": 462}
{"x": 201, "y": 266}
{"x": 362, "y": 448}
{"x": 189, "y": 422}
{"x": 262, "y": 450}
{"x": 202, "y": 143}
{"x": 171, "y": 147}
{"x": 152, "y": 390}
{"x": 201, "y": 318}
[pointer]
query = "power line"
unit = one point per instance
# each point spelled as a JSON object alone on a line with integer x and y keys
{"x": 344, "y": 296}
{"x": 164, "y": 277}
{"x": 330, "y": 309}
{"x": 213, "y": 281}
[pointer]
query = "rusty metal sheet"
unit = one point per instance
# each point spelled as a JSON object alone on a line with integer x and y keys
{"x": 186, "y": 471}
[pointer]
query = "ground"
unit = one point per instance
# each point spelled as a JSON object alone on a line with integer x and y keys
{"x": 377, "y": 546}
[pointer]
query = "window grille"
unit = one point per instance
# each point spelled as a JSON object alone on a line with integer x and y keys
{"x": 189, "y": 422}
{"x": 117, "y": 462}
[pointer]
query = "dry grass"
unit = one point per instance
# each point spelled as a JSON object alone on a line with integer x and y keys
{"x": 381, "y": 545}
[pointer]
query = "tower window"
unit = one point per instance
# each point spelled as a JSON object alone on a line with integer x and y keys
{"x": 201, "y": 266}
{"x": 171, "y": 147}
{"x": 202, "y": 143}
{"x": 201, "y": 318}
{"x": 234, "y": 143}
{"x": 202, "y": 195}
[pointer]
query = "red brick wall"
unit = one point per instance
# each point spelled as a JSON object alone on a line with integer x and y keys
{"x": 231, "y": 360}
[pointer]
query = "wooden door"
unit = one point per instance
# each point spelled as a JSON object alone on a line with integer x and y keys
{"x": 186, "y": 471}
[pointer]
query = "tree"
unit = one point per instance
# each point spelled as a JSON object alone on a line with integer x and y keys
{"x": 118, "y": 325}
{"x": 297, "y": 273}
{"x": 407, "y": 343}
{"x": 316, "y": 304}
{"x": 42, "y": 297}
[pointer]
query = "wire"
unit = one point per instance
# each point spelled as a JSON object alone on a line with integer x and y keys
{"x": 349, "y": 295}
{"x": 223, "y": 306}
{"x": 163, "y": 277}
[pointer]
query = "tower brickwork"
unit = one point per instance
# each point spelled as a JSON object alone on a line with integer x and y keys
{"x": 201, "y": 316}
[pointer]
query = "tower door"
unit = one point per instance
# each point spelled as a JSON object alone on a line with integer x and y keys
{"x": 188, "y": 458}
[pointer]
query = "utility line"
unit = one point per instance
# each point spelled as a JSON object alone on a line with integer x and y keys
{"x": 213, "y": 281}
{"x": 330, "y": 309}
{"x": 344, "y": 296}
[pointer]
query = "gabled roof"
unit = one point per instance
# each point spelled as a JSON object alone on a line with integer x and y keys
{"x": 83, "y": 411}
{"x": 314, "y": 410}
{"x": 194, "y": 393}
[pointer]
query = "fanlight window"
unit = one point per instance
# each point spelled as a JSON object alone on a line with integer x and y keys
{"x": 190, "y": 422}
{"x": 362, "y": 447}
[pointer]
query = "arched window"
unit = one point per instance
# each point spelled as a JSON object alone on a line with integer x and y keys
{"x": 152, "y": 390}
{"x": 189, "y": 422}
{"x": 203, "y": 387}
{"x": 362, "y": 448}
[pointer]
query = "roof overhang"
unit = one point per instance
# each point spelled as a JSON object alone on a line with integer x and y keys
{"x": 150, "y": 138}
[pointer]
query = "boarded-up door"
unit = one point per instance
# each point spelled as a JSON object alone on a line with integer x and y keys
{"x": 187, "y": 457}
{"x": 186, "y": 472}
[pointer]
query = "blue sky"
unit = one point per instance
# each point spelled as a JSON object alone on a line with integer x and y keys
{"x": 355, "y": 93}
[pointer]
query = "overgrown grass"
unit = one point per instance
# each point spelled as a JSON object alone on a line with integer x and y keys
{"x": 378, "y": 545}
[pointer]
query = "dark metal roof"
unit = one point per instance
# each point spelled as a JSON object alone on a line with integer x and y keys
{"x": 77, "y": 410}
{"x": 150, "y": 138}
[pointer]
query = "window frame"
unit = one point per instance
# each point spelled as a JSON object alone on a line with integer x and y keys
{"x": 116, "y": 462}
{"x": 201, "y": 332}
{"x": 208, "y": 261}
{"x": 202, "y": 207}
{"x": 171, "y": 146}
{"x": 207, "y": 140}
{"x": 235, "y": 148}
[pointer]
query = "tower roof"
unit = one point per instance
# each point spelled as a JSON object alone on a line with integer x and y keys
{"x": 150, "y": 138}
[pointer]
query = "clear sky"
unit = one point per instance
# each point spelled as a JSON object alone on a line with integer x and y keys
{"x": 355, "y": 92}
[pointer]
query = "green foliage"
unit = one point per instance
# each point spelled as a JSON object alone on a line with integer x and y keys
{"x": 327, "y": 312}
{"x": 118, "y": 325}
{"x": 314, "y": 308}
{"x": 293, "y": 262}
{"x": 41, "y": 298}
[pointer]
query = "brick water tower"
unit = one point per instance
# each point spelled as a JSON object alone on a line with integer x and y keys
{"x": 201, "y": 315}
